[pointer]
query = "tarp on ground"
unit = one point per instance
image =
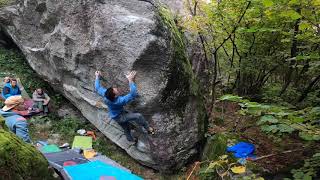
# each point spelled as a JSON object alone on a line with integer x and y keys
{"x": 82, "y": 142}
{"x": 98, "y": 170}
{"x": 59, "y": 159}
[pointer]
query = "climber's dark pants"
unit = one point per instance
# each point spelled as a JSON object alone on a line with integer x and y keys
{"x": 124, "y": 120}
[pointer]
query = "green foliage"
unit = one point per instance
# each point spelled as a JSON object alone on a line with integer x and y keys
{"x": 19, "y": 160}
{"x": 274, "y": 119}
{"x": 2, "y": 124}
{"x": 67, "y": 127}
{"x": 219, "y": 167}
{"x": 309, "y": 170}
{"x": 260, "y": 43}
{"x": 181, "y": 81}
{"x": 5, "y": 2}
{"x": 230, "y": 97}
{"x": 215, "y": 147}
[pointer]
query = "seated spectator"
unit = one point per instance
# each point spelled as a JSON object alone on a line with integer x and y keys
{"x": 10, "y": 89}
{"x": 41, "y": 100}
{"x": 6, "y": 80}
{"x": 17, "y": 124}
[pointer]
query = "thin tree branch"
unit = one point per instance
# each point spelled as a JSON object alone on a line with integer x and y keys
{"x": 235, "y": 27}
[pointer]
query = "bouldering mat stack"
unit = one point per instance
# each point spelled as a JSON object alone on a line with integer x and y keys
{"x": 98, "y": 170}
{"x": 72, "y": 165}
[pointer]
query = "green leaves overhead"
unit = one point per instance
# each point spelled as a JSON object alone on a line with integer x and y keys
{"x": 304, "y": 25}
{"x": 291, "y": 14}
{"x": 267, "y": 3}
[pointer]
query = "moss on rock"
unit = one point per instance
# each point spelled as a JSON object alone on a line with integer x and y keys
{"x": 19, "y": 160}
{"x": 181, "y": 81}
{"x": 3, "y": 124}
{"x": 182, "y": 86}
{"x": 215, "y": 147}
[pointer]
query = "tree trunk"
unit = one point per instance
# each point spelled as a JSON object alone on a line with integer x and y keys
{"x": 308, "y": 89}
{"x": 294, "y": 50}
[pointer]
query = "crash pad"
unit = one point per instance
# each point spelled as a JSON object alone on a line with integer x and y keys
{"x": 64, "y": 158}
{"x": 51, "y": 148}
{"x": 97, "y": 170}
{"x": 242, "y": 150}
{"x": 90, "y": 153}
{"x": 82, "y": 142}
{"x": 109, "y": 161}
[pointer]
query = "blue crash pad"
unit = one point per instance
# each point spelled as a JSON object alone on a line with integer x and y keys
{"x": 242, "y": 150}
{"x": 98, "y": 170}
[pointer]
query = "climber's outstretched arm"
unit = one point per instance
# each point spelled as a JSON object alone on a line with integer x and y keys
{"x": 99, "y": 89}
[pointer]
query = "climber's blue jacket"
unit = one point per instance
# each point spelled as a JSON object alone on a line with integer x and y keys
{"x": 116, "y": 106}
{"x": 8, "y": 91}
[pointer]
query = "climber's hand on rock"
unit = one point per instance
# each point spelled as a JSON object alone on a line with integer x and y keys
{"x": 130, "y": 76}
{"x": 98, "y": 74}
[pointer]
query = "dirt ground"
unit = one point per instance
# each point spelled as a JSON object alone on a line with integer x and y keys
{"x": 274, "y": 155}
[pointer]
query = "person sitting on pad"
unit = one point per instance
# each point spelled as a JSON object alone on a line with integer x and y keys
{"x": 115, "y": 102}
{"x": 17, "y": 124}
{"x": 41, "y": 100}
{"x": 10, "y": 89}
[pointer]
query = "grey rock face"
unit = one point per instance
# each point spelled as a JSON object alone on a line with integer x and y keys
{"x": 66, "y": 41}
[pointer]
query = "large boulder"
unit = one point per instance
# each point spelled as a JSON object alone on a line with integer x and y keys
{"x": 66, "y": 41}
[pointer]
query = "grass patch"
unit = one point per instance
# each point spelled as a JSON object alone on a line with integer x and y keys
{"x": 5, "y": 2}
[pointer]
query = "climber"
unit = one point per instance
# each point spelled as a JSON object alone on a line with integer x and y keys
{"x": 115, "y": 102}
{"x": 10, "y": 89}
{"x": 41, "y": 100}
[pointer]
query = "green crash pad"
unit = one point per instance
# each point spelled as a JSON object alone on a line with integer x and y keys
{"x": 82, "y": 142}
{"x": 52, "y": 148}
